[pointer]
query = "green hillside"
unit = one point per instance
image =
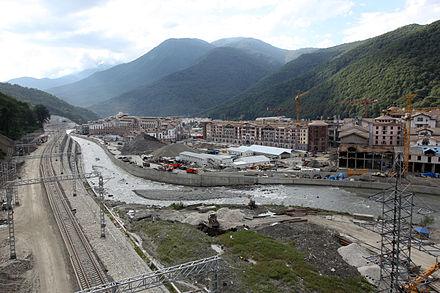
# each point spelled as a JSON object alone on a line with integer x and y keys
{"x": 170, "y": 56}
{"x": 16, "y": 118}
{"x": 386, "y": 68}
{"x": 255, "y": 47}
{"x": 52, "y": 103}
{"x": 221, "y": 74}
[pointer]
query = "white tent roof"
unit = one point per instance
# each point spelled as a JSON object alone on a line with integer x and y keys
{"x": 269, "y": 150}
{"x": 252, "y": 160}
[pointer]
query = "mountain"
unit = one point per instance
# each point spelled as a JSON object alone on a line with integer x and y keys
{"x": 261, "y": 48}
{"x": 386, "y": 68}
{"x": 46, "y": 83}
{"x": 170, "y": 56}
{"x": 16, "y": 118}
{"x": 222, "y": 73}
{"x": 52, "y": 103}
{"x": 255, "y": 47}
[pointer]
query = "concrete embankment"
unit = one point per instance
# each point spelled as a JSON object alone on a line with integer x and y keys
{"x": 209, "y": 179}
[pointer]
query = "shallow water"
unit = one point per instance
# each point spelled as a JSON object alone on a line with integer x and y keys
{"x": 121, "y": 184}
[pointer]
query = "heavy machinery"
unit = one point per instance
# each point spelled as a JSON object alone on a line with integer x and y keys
{"x": 212, "y": 221}
{"x": 192, "y": 171}
{"x": 418, "y": 283}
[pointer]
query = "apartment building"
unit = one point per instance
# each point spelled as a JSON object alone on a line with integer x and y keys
{"x": 162, "y": 128}
{"x": 276, "y": 134}
{"x": 374, "y": 143}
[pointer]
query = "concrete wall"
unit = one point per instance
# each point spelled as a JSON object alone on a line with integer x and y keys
{"x": 235, "y": 178}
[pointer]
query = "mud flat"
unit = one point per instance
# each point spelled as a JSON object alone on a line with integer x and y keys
{"x": 189, "y": 194}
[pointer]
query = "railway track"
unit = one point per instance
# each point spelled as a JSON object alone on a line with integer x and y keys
{"x": 88, "y": 271}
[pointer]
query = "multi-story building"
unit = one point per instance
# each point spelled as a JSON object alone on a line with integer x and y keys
{"x": 162, "y": 128}
{"x": 276, "y": 134}
{"x": 317, "y": 136}
{"x": 387, "y": 131}
{"x": 375, "y": 143}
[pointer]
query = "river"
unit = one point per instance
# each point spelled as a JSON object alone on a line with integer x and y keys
{"x": 120, "y": 185}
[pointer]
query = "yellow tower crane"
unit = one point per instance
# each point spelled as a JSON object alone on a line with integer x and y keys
{"x": 298, "y": 103}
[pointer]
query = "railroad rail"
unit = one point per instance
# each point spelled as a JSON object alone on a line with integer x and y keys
{"x": 88, "y": 271}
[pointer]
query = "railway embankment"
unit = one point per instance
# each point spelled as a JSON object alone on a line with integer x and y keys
{"x": 211, "y": 179}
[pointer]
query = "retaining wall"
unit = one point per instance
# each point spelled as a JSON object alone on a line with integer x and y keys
{"x": 235, "y": 178}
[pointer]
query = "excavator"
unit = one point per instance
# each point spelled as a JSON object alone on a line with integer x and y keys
{"x": 416, "y": 285}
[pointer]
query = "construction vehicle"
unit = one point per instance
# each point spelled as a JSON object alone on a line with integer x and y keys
{"x": 212, "y": 221}
{"x": 192, "y": 171}
{"x": 168, "y": 168}
{"x": 418, "y": 282}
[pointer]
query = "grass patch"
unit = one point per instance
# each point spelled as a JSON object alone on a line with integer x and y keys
{"x": 281, "y": 265}
{"x": 175, "y": 242}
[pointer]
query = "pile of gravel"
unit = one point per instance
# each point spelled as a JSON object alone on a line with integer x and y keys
{"x": 172, "y": 150}
{"x": 141, "y": 144}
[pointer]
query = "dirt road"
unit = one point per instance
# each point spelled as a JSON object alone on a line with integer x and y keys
{"x": 37, "y": 233}
{"x": 367, "y": 238}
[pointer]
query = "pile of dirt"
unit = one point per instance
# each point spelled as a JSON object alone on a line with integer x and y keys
{"x": 320, "y": 243}
{"x": 141, "y": 144}
{"x": 172, "y": 150}
{"x": 16, "y": 275}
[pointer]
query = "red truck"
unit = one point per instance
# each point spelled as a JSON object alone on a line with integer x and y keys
{"x": 192, "y": 170}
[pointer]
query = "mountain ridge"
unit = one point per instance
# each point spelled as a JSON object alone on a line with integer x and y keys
{"x": 220, "y": 74}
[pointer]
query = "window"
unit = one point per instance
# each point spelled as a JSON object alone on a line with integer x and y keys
{"x": 419, "y": 158}
{"x": 429, "y": 159}
{"x": 419, "y": 118}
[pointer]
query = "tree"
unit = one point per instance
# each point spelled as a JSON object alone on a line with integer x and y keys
{"x": 43, "y": 115}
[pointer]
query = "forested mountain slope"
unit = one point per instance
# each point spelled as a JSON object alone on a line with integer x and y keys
{"x": 170, "y": 56}
{"x": 16, "y": 118}
{"x": 386, "y": 68}
{"x": 52, "y": 103}
{"x": 221, "y": 74}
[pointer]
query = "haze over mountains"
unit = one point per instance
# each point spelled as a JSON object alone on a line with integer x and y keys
{"x": 47, "y": 83}
{"x": 238, "y": 78}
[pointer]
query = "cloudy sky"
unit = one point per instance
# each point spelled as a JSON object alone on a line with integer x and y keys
{"x": 51, "y": 38}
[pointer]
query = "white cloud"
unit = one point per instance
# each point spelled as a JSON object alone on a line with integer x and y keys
{"x": 325, "y": 43}
{"x": 49, "y": 37}
{"x": 375, "y": 23}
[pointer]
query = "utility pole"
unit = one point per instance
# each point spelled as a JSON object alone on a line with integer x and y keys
{"x": 10, "y": 185}
{"x": 395, "y": 256}
{"x": 101, "y": 199}
{"x": 11, "y": 231}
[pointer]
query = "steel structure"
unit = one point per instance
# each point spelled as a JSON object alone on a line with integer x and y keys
{"x": 395, "y": 256}
{"x": 11, "y": 232}
{"x": 298, "y": 103}
{"x": 163, "y": 276}
{"x": 366, "y": 102}
{"x": 101, "y": 210}
{"x": 279, "y": 110}
{"x": 407, "y": 140}
{"x": 10, "y": 185}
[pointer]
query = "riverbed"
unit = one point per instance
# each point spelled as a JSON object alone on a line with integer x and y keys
{"x": 120, "y": 185}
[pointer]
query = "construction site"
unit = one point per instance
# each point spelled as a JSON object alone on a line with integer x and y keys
{"x": 81, "y": 214}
